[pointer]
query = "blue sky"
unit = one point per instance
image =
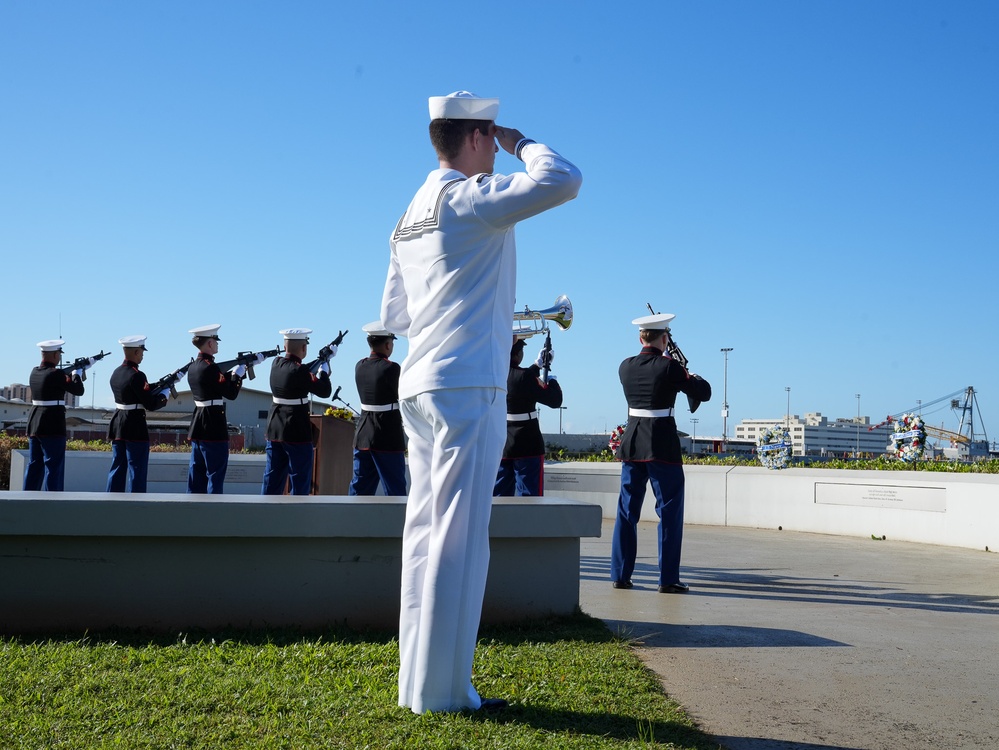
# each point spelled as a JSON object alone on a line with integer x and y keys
{"x": 813, "y": 184}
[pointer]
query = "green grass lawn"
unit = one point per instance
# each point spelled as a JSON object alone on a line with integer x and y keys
{"x": 571, "y": 683}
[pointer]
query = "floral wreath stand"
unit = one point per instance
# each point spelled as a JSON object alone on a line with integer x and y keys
{"x": 615, "y": 438}
{"x": 773, "y": 447}
{"x": 908, "y": 438}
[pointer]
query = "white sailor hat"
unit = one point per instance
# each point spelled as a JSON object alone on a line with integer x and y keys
{"x": 292, "y": 334}
{"x": 52, "y": 345}
{"x": 463, "y": 105}
{"x": 376, "y": 328}
{"x": 133, "y": 342}
{"x": 659, "y": 322}
{"x": 210, "y": 331}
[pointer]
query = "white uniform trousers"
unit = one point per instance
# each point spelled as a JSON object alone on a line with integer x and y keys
{"x": 456, "y": 440}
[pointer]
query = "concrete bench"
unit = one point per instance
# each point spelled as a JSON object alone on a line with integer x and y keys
{"x": 71, "y": 562}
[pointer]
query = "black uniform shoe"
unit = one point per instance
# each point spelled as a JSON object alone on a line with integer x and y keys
{"x": 622, "y": 584}
{"x": 674, "y": 588}
{"x": 493, "y": 704}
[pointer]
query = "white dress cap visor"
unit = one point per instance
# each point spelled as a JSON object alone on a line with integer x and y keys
{"x": 463, "y": 105}
{"x": 292, "y": 334}
{"x": 658, "y": 322}
{"x": 52, "y": 345}
{"x": 133, "y": 342}
{"x": 376, "y": 328}
{"x": 211, "y": 330}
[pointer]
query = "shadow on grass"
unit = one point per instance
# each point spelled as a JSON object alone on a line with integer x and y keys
{"x": 575, "y": 627}
{"x": 600, "y": 724}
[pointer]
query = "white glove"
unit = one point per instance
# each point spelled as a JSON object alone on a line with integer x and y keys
{"x": 325, "y": 367}
{"x": 79, "y": 373}
{"x": 90, "y": 363}
{"x": 260, "y": 359}
{"x": 333, "y": 351}
{"x": 552, "y": 378}
{"x": 180, "y": 376}
{"x": 540, "y": 361}
{"x": 165, "y": 393}
{"x": 239, "y": 371}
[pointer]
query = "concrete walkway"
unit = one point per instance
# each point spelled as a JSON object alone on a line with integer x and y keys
{"x": 790, "y": 640}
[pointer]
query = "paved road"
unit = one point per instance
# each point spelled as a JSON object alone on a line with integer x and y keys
{"x": 813, "y": 642}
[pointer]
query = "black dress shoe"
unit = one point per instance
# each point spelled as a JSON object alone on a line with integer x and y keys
{"x": 622, "y": 584}
{"x": 674, "y": 588}
{"x": 493, "y": 704}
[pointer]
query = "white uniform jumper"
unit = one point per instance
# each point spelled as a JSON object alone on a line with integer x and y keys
{"x": 450, "y": 291}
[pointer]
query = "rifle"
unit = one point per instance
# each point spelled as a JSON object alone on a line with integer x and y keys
{"x": 326, "y": 353}
{"x": 84, "y": 363}
{"x": 249, "y": 359}
{"x": 171, "y": 380}
{"x": 674, "y": 351}
{"x": 546, "y": 357}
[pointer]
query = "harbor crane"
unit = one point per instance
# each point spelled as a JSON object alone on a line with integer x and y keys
{"x": 968, "y": 442}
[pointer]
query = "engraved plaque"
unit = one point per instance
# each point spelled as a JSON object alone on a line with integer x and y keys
{"x": 904, "y": 497}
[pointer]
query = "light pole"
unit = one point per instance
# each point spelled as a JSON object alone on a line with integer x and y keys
{"x": 560, "y": 410}
{"x": 787, "y": 417}
{"x": 725, "y": 352}
{"x": 858, "y": 426}
{"x": 693, "y": 435}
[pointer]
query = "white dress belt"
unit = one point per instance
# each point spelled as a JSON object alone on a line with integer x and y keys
{"x": 213, "y": 402}
{"x": 650, "y": 412}
{"x": 47, "y": 403}
{"x": 129, "y": 407}
{"x": 380, "y": 407}
{"x": 522, "y": 417}
{"x": 290, "y": 401}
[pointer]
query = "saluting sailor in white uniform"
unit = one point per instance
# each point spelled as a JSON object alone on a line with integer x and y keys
{"x": 450, "y": 291}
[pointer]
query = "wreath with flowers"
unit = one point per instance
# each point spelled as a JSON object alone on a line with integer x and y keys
{"x": 773, "y": 446}
{"x": 909, "y": 437}
{"x": 615, "y": 438}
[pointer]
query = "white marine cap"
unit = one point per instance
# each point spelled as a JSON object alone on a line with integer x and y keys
{"x": 658, "y": 322}
{"x": 293, "y": 334}
{"x": 376, "y": 328}
{"x": 209, "y": 331}
{"x": 133, "y": 342}
{"x": 463, "y": 105}
{"x": 52, "y": 345}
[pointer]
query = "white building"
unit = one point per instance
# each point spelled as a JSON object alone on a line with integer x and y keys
{"x": 814, "y": 435}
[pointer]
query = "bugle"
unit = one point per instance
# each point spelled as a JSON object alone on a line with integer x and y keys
{"x": 528, "y": 322}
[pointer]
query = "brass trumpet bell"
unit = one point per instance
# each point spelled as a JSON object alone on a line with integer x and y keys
{"x": 528, "y": 322}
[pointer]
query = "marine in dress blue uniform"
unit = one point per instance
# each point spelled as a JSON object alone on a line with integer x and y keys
{"x": 379, "y": 438}
{"x": 521, "y": 471}
{"x": 650, "y": 452}
{"x": 128, "y": 432}
{"x": 290, "y": 449}
{"x": 209, "y": 431}
{"x": 47, "y": 419}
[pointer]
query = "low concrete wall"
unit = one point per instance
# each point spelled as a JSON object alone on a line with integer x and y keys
{"x": 959, "y": 510}
{"x": 76, "y": 561}
{"x": 87, "y": 471}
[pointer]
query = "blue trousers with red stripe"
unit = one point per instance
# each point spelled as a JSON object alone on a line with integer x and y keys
{"x": 667, "y": 485}
{"x": 520, "y": 477}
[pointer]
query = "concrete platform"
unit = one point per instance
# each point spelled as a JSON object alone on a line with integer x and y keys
{"x": 74, "y": 562}
{"x": 814, "y": 642}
